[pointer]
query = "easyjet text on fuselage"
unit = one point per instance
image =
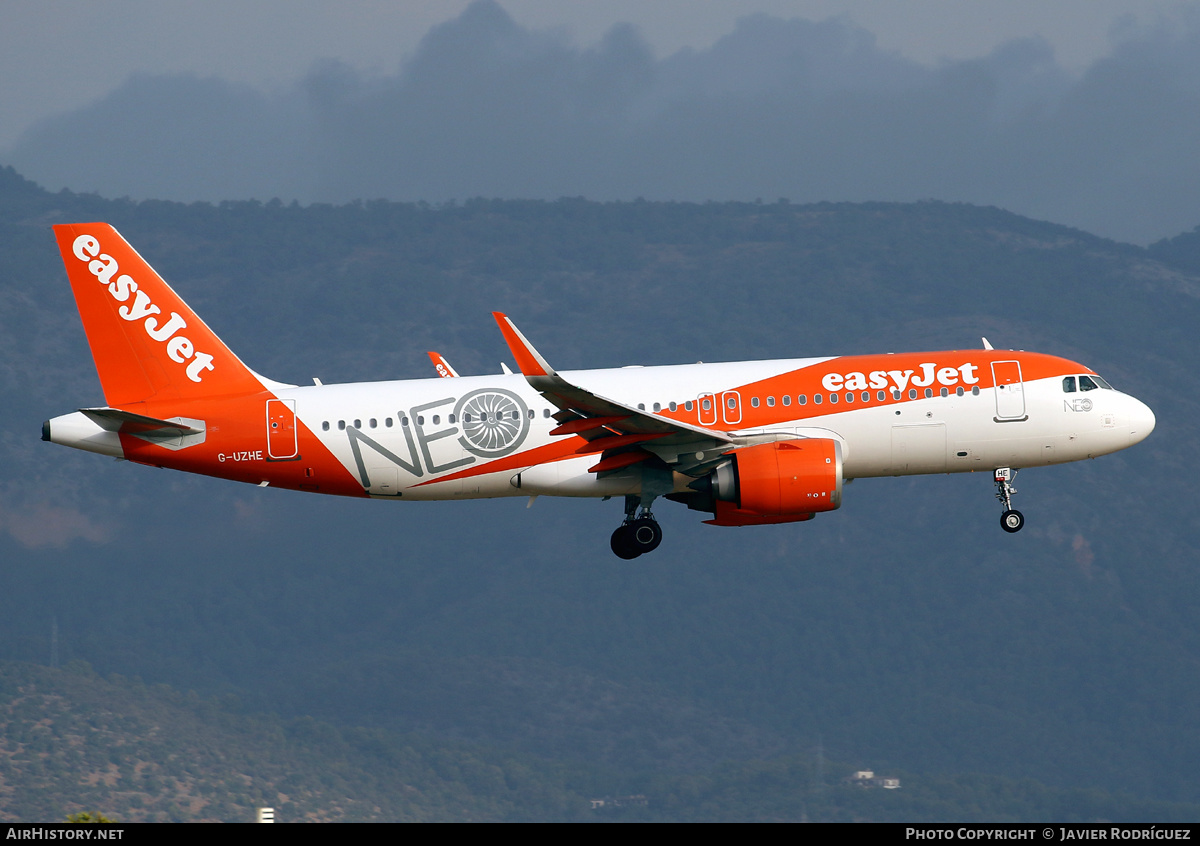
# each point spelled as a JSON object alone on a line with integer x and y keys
{"x": 926, "y": 374}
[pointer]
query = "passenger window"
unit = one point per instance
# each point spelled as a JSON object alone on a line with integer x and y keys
{"x": 450, "y": 418}
{"x": 912, "y": 393}
{"x": 753, "y": 402}
{"x": 341, "y": 424}
{"x": 816, "y": 399}
{"x": 770, "y": 402}
{"x": 657, "y": 407}
{"x": 866, "y": 396}
{"x": 958, "y": 391}
{"x": 1086, "y": 384}
{"x": 374, "y": 423}
{"x": 420, "y": 419}
{"x": 881, "y": 396}
{"x": 896, "y": 394}
{"x": 832, "y": 397}
{"x": 357, "y": 424}
{"x": 673, "y": 406}
{"x": 325, "y": 426}
{"x": 974, "y": 390}
{"x": 545, "y": 412}
{"x": 387, "y": 421}
{"x": 928, "y": 393}
{"x": 849, "y": 397}
{"x": 945, "y": 392}
{"x": 687, "y": 406}
{"x": 706, "y": 405}
{"x": 1069, "y": 385}
{"x": 787, "y": 400}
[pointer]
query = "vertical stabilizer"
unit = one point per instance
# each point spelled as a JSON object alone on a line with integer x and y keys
{"x": 146, "y": 342}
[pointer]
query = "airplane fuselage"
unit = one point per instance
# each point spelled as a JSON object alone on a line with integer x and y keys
{"x": 438, "y": 438}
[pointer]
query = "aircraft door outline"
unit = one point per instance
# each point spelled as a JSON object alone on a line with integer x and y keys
{"x": 282, "y": 441}
{"x": 1010, "y": 391}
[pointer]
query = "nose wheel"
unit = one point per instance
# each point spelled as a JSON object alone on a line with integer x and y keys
{"x": 637, "y": 535}
{"x": 1011, "y": 520}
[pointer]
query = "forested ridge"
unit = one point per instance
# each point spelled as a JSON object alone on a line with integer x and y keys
{"x": 73, "y": 742}
{"x": 904, "y": 633}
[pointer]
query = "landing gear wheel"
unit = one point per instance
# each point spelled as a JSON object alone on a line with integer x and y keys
{"x": 1012, "y": 521}
{"x": 622, "y": 543}
{"x": 645, "y": 534}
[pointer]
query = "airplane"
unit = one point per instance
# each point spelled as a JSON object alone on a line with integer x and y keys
{"x": 747, "y": 443}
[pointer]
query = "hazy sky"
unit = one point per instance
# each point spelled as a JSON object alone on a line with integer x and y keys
{"x": 57, "y": 55}
{"x": 1083, "y": 112}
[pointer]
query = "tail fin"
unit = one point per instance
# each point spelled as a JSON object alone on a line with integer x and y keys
{"x": 146, "y": 342}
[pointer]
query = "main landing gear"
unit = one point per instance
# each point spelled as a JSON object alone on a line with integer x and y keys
{"x": 638, "y": 534}
{"x": 1011, "y": 520}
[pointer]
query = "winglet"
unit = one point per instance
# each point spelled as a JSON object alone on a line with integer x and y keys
{"x": 442, "y": 366}
{"x": 528, "y": 359}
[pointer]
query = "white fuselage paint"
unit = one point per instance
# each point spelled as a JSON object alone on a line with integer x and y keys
{"x": 926, "y": 435}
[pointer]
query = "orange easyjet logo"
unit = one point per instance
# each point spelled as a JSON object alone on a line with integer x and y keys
{"x": 179, "y": 347}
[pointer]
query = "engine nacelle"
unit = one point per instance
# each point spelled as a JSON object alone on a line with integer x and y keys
{"x": 778, "y": 482}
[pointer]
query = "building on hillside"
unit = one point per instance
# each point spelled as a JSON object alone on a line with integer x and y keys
{"x": 867, "y": 778}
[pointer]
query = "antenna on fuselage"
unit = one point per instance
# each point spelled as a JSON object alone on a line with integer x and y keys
{"x": 986, "y": 345}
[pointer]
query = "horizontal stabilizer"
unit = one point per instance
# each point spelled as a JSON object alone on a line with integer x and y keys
{"x": 116, "y": 420}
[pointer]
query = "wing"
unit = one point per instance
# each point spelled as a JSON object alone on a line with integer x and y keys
{"x": 620, "y": 434}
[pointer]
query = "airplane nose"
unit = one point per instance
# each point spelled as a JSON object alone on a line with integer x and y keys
{"x": 1141, "y": 422}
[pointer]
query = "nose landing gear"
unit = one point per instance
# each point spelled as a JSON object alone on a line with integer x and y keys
{"x": 637, "y": 535}
{"x": 1011, "y": 520}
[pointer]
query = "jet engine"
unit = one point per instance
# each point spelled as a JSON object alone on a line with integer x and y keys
{"x": 778, "y": 482}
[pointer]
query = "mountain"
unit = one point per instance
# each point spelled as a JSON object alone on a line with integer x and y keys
{"x": 72, "y": 742}
{"x": 903, "y": 632}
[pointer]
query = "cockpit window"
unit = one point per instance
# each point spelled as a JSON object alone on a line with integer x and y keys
{"x": 1086, "y": 384}
{"x": 1069, "y": 385}
{"x": 1102, "y": 383}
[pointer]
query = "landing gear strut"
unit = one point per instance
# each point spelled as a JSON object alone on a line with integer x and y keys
{"x": 638, "y": 534}
{"x": 1011, "y": 520}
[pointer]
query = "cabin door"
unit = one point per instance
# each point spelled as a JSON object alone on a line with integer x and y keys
{"x": 1010, "y": 393}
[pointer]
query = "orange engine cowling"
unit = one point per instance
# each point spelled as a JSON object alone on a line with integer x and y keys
{"x": 779, "y": 482}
